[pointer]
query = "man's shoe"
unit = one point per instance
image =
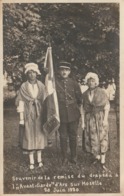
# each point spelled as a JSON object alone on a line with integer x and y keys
{"x": 74, "y": 161}
{"x": 65, "y": 162}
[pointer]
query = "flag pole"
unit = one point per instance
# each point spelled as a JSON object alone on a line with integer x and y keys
{"x": 49, "y": 40}
{"x": 56, "y": 132}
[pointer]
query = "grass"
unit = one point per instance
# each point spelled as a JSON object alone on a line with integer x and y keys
{"x": 84, "y": 177}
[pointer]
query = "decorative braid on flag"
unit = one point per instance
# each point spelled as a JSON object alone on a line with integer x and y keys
{"x": 52, "y": 120}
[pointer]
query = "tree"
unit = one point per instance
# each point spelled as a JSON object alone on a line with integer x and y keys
{"x": 87, "y": 35}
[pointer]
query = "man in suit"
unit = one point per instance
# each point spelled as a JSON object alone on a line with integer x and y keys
{"x": 69, "y": 100}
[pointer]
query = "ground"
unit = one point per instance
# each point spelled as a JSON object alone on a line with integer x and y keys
{"x": 85, "y": 177}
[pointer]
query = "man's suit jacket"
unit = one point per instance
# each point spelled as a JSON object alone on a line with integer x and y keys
{"x": 69, "y": 99}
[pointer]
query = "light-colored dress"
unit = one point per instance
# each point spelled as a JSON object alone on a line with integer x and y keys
{"x": 33, "y": 137}
{"x": 95, "y": 135}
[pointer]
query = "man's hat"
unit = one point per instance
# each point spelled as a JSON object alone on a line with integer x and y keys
{"x": 65, "y": 65}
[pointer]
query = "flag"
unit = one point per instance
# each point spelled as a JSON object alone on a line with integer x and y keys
{"x": 52, "y": 120}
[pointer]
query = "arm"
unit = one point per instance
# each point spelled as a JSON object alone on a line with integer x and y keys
{"x": 20, "y": 107}
{"x": 82, "y": 111}
{"x": 106, "y": 113}
{"x": 78, "y": 94}
{"x": 20, "y": 110}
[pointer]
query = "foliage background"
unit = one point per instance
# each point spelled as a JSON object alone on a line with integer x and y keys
{"x": 85, "y": 34}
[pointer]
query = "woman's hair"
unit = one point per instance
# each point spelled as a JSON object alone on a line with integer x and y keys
{"x": 93, "y": 76}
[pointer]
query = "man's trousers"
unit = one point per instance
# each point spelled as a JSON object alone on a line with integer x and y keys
{"x": 68, "y": 130}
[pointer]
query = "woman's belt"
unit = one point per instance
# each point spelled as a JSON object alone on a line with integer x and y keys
{"x": 94, "y": 109}
{"x": 35, "y": 103}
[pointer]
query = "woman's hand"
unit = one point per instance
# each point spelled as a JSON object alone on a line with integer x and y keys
{"x": 83, "y": 126}
{"x": 82, "y": 123}
{"x": 21, "y": 122}
{"x": 19, "y": 109}
{"x": 105, "y": 123}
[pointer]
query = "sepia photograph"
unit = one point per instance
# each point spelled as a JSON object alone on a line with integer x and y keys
{"x": 61, "y": 98}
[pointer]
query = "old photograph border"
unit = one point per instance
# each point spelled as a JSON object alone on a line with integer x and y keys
{"x": 121, "y": 3}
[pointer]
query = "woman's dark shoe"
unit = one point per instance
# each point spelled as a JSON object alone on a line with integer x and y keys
{"x": 105, "y": 168}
